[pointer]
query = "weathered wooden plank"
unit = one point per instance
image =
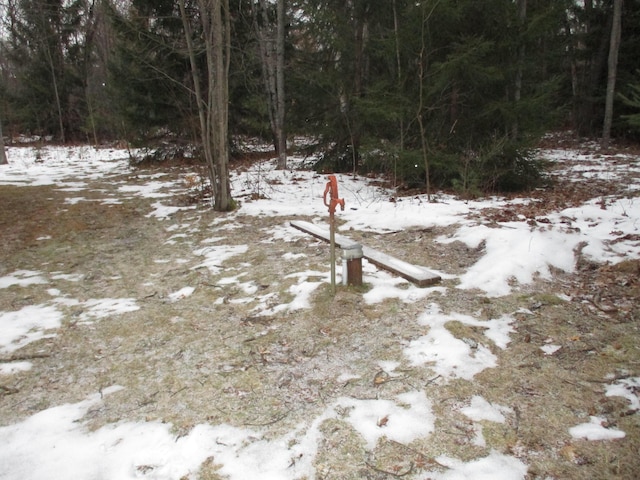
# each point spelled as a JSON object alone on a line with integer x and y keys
{"x": 421, "y": 276}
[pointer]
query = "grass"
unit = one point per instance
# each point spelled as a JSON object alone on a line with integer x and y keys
{"x": 199, "y": 360}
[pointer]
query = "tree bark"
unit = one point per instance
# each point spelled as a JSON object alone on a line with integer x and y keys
{"x": 3, "y": 155}
{"x": 614, "y": 47}
{"x": 396, "y": 35}
{"x": 221, "y": 50}
{"x": 213, "y": 110}
{"x": 594, "y": 71}
{"x": 271, "y": 46}
{"x": 522, "y": 16}
{"x": 281, "y": 109}
{"x": 201, "y": 102}
{"x": 423, "y": 134}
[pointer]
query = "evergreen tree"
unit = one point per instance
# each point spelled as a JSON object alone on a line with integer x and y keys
{"x": 446, "y": 84}
{"x": 632, "y": 100}
{"x": 147, "y": 73}
{"x": 37, "y": 46}
{"x": 628, "y": 74}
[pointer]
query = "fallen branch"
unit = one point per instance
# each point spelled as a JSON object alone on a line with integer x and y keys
{"x": 18, "y": 358}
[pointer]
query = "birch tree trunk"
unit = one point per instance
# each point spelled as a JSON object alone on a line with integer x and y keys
{"x": 271, "y": 45}
{"x": 614, "y": 47}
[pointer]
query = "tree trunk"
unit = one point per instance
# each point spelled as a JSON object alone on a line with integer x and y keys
{"x": 271, "y": 46}
{"x": 221, "y": 53}
{"x": 399, "y": 85}
{"x": 201, "y": 102}
{"x": 213, "y": 110}
{"x": 89, "y": 35}
{"x": 587, "y": 117}
{"x": 280, "y": 110}
{"x": 614, "y": 46}
{"x": 3, "y": 155}
{"x": 420, "y": 112}
{"x": 522, "y": 16}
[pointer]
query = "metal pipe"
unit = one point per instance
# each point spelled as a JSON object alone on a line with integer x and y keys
{"x": 332, "y": 190}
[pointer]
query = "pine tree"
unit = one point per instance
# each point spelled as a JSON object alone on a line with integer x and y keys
{"x": 147, "y": 73}
{"x": 37, "y": 44}
{"x": 632, "y": 100}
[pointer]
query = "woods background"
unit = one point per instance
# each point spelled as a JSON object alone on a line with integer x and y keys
{"x": 446, "y": 93}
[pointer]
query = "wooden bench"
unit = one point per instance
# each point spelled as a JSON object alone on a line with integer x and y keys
{"x": 421, "y": 276}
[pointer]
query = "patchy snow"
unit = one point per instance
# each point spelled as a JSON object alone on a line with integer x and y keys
{"x": 165, "y": 211}
{"x": 595, "y": 429}
{"x": 30, "y": 323}
{"x": 215, "y": 255}
{"x": 550, "y": 349}
{"x": 480, "y": 409}
{"x": 14, "y": 367}
{"x": 105, "y": 307}
{"x": 495, "y": 466}
{"x": 61, "y": 166}
{"x": 404, "y": 420}
{"x": 21, "y": 278}
{"x": 57, "y": 444}
{"x": 627, "y": 388}
{"x": 450, "y": 356}
{"x": 182, "y": 293}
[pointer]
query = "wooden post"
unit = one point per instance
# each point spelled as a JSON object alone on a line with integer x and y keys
{"x": 352, "y": 264}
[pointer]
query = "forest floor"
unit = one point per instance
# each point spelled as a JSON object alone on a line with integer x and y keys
{"x": 206, "y": 358}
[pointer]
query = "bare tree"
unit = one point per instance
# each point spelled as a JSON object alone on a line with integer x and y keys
{"x": 422, "y": 71}
{"x": 614, "y": 46}
{"x": 212, "y": 92}
{"x": 271, "y": 45}
{"x": 517, "y": 95}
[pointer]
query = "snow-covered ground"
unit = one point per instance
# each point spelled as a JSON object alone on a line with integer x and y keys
{"x": 55, "y": 444}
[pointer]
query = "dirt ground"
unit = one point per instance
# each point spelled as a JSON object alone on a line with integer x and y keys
{"x": 206, "y": 359}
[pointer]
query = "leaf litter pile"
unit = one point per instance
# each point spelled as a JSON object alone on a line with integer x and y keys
{"x": 143, "y": 335}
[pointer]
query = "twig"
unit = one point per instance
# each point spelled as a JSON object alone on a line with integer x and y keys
{"x": 177, "y": 392}
{"x": 412, "y": 450}
{"x": 275, "y": 420}
{"x": 387, "y": 472}
{"x": 432, "y": 380}
{"x": 8, "y": 390}
{"x": 150, "y": 399}
{"x": 17, "y": 358}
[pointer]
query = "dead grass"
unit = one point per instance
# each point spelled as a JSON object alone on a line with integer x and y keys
{"x": 209, "y": 359}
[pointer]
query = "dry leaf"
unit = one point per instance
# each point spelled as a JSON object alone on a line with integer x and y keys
{"x": 380, "y": 378}
{"x": 568, "y": 452}
{"x": 383, "y": 421}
